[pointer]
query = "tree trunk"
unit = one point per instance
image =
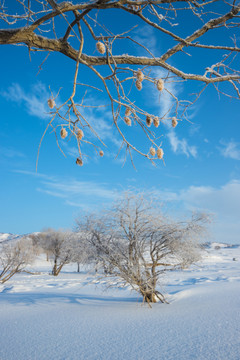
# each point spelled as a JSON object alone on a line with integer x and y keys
{"x": 54, "y": 270}
{"x": 59, "y": 269}
{"x": 152, "y": 296}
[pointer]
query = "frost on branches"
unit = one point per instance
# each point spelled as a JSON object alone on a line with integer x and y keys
{"x": 120, "y": 79}
{"x": 137, "y": 244}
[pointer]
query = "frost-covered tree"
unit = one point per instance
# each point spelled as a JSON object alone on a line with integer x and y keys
{"x": 82, "y": 253}
{"x": 137, "y": 244}
{"x": 15, "y": 257}
{"x": 60, "y": 247}
{"x": 107, "y": 41}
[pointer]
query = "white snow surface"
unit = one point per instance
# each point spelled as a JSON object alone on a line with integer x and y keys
{"x": 8, "y": 237}
{"x": 65, "y": 318}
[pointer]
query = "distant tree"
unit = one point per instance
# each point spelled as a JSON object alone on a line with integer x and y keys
{"x": 97, "y": 40}
{"x": 59, "y": 245}
{"x": 14, "y": 258}
{"x": 82, "y": 253}
{"x": 40, "y": 242}
{"x": 138, "y": 244}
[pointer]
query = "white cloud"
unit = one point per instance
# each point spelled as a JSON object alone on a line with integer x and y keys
{"x": 88, "y": 195}
{"x": 74, "y": 188}
{"x": 164, "y": 100}
{"x": 99, "y": 117}
{"x": 35, "y": 174}
{"x": 35, "y": 100}
{"x": 181, "y": 146}
{"x": 223, "y": 202}
{"x": 9, "y": 152}
{"x": 70, "y": 188}
{"x": 230, "y": 149}
{"x": 144, "y": 35}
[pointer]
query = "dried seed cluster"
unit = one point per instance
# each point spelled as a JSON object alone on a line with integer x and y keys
{"x": 128, "y": 121}
{"x": 160, "y": 153}
{"x": 156, "y": 121}
{"x": 148, "y": 120}
{"x": 174, "y": 122}
{"x": 152, "y": 151}
{"x": 140, "y": 77}
{"x": 101, "y": 153}
{"x": 101, "y": 48}
{"x": 79, "y": 161}
{"x": 160, "y": 84}
{"x": 127, "y": 111}
{"x": 63, "y": 133}
{"x": 51, "y": 103}
{"x": 80, "y": 134}
{"x": 138, "y": 84}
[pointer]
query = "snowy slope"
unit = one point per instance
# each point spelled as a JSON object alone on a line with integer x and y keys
{"x": 8, "y": 237}
{"x": 63, "y": 318}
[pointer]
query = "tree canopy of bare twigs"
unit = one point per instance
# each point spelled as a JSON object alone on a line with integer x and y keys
{"x": 14, "y": 258}
{"x": 60, "y": 247}
{"x": 81, "y": 31}
{"x": 137, "y": 244}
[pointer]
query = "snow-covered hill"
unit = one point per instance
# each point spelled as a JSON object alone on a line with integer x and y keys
{"x": 9, "y": 237}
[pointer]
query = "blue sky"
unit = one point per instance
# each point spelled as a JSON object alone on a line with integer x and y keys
{"x": 202, "y": 159}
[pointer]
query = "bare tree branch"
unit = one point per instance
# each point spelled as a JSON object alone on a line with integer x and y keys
{"x": 120, "y": 73}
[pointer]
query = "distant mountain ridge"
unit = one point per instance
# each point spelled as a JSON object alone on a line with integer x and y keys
{"x": 207, "y": 245}
{"x": 5, "y": 237}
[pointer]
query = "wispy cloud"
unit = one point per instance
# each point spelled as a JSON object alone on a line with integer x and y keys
{"x": 181, "y": 146}
{"x": 99, "y": 117}
{"x": 9, "y": 152}
{"x": 223, "y": 201}
{"x": 165, "y": 101}
{"x": 230, "y": 149}
{"x": 35, "y": 174}
{"x": 72, "y": 188}
{"x": 35, "y": 100}
{"x": 144, "y": 35}
{"x": 82, "y": 194}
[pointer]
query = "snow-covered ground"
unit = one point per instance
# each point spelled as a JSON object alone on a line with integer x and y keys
{"x": 64, "y": 318}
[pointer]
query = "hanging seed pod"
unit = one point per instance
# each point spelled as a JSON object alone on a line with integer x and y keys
{"x": 80, "y": 134}
{"x": 160, "y": 153}
{"x": 156, "y": 121}
{"x": 138, "y": 84}
{"x": 51, "y": 103}
{"x": 160, "y": 84}
{"x": 101, "y": 153}
{"x": 63, "y": 133}
{"x": 152, "y": 151}
{"x": 127, "y": 111}
{"x": 101, "y": 48}
{"x": 148, "y": 120}
{"x": 174, "y": 122}
{"x": 79, "y": 162}
{"x": 140, "y": 75}
{"x": 128, "y": 121}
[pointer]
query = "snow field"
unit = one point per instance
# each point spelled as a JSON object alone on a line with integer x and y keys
{"x": 66, "y": 318}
